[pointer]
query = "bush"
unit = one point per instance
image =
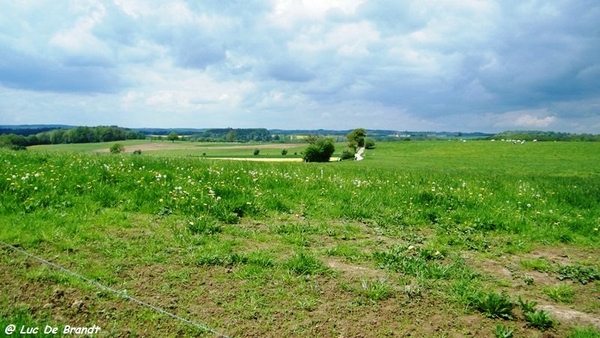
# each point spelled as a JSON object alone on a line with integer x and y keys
{"x": 319, "y": 151}
{"x": 284, "y": 151}
{"x": 117, "y": 148}
{"x": 137, "y": 152}
{"x": 256, "y": 151}
{"x": 347, "y": 154}
{"x": 369, "y": 144}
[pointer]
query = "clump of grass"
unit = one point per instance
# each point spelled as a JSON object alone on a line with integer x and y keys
{"x": 222, "y": 259}
{"x": 502, "y": 331}
{"x": 538, "y": 264}
{"x": 305, "y": 264}
{"x": 204, "y": 226}
{"x": 561, "y": 293}
{"x": 539, "y": 319}
{"x": 495, "y": 305}
{"x": 585, "y": 332}
{"x": 376, "y": 290}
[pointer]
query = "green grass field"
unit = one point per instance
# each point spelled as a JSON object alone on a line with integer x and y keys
{"x": 432, "y": 239}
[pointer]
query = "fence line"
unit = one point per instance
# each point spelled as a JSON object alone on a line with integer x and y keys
{"x": 120, "y": 294}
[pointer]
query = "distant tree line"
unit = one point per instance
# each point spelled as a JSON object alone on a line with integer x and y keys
{"x": 530, "y": 135}
{"x": 75, "y": 135}
{"x": 233, "y": 135}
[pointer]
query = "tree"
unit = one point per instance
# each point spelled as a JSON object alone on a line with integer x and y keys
{"x": 231, "y": 136}
{"x": 173, "y": 136}
{"x": 117, "y": 148}
{"x": 320, "y": 150}
{"x": 356, "y": 138}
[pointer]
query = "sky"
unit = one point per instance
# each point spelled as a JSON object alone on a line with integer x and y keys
{"x": 423, "y": 65}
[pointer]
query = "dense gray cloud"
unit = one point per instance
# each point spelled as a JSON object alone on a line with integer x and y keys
{"x": 426, "y": 65}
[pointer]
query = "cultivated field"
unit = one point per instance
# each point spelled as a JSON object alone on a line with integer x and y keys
{"x": 431, "y": 239}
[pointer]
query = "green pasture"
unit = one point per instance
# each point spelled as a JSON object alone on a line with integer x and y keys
{"x": 478, "y": 235}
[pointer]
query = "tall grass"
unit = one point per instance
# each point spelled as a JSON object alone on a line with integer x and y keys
{"x": 543, "y": 208}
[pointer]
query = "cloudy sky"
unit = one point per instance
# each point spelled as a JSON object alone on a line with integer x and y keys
{"x": 441, "y": 65}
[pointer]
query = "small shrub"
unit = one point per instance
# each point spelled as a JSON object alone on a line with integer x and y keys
{"x": 561, "y": 293}
{"x": 137, "y": 152}
{"x": 495, "y": 305}
{"x": 256, "y": 151}
{"x": 347, "y": 154}
{"x": 502, "y": 331}
{"x": 369, "y": 144}
{"x": 539, "y": 319}
{"x": 117, "y": 148}
{"x": 284, "y": 151}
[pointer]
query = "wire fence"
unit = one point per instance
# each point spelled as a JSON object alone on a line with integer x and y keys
{"x": 120, "y": 294}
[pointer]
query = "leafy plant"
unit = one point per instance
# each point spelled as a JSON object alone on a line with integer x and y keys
{"x": 495, "y": 305}
{"x": 256, "y": 151}
{"x": 503, "y": 331}
{"x": 539, "y": 319}
{"x": 284, "y": 151}
{"x": 579, "y": 273}
{"x": 526, "y": 306}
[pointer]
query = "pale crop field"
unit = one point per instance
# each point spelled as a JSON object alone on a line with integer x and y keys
{"x": 424, "y": 238}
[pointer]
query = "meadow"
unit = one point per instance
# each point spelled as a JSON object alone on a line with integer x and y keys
{"x": 431, "y": 239}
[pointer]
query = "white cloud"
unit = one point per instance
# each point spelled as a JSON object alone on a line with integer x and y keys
{"x": 436, "y": 65}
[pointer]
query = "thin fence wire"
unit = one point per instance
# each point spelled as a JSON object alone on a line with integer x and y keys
{"x": 120, "y": 294}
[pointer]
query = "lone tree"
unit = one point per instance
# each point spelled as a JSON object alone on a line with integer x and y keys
{"x": 320, "y": 149}
{"x": 356, "y": 138}
{"x": 173, "y": 136}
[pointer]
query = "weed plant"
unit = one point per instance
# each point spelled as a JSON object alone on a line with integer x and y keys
{"x": 495, "y": 305}
{"x": 539, "y": 319}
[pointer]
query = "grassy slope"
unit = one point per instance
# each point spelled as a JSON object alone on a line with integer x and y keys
{"x": 418, "y": 230}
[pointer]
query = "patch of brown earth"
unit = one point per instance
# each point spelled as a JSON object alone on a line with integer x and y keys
{"x": 354, "y": 270}
{"x": 564, "y": 314}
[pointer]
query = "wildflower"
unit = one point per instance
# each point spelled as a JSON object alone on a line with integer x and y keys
{"x": 160, "y": 200}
